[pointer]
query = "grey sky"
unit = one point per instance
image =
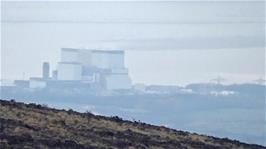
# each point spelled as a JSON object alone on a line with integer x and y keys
{"x": 186, "y": 41}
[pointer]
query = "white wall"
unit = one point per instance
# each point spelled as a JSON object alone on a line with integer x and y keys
{"x": 69, "y": 71}
{"x": 108, "y": 60}
{"x": 116, "y": 60}
{"x": 99, "y": 60}
{"x": 85, "y": 57}
{"x": 118, "y": 81}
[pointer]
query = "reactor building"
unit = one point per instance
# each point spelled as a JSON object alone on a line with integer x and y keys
{"x": 84, "y": 68}
{"x": 104, "y": 68}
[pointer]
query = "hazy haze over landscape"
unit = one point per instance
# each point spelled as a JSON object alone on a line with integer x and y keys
{"x": 191, "y": 41}
{"x": 187, "y": 44}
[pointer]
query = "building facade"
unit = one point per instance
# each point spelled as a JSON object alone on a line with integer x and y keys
{"x": 103, "y": 67}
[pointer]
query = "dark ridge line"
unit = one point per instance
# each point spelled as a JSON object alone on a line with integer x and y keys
{"x": 116, "y": 119}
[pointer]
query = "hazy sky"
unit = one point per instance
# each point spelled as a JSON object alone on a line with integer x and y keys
{"x": 167, "y": 42}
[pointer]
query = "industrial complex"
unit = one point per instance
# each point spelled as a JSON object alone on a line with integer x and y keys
{"x": 84, "y": 68}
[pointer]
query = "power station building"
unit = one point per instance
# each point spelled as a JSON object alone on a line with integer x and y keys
{"x": 97, "y": 70}
{"x": 103, "y": 68}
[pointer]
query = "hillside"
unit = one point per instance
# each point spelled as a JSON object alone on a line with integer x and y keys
{"x": 35, "y": 126}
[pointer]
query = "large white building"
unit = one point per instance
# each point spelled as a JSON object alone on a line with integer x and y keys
{"x": 69, "y": 71}
{"x": 108, "y": 59}
{"x": 105, "y": 67}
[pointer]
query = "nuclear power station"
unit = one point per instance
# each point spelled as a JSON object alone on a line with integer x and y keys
{"x": 84, "y": 68}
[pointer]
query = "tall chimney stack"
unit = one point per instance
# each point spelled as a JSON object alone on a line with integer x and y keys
{"x": 45, "y": 70}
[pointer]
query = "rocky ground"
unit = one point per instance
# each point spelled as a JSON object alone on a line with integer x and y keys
{"x": 38, "y": 126}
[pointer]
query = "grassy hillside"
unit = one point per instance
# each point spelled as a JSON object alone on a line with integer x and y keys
{"x": 35, "y": 126}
